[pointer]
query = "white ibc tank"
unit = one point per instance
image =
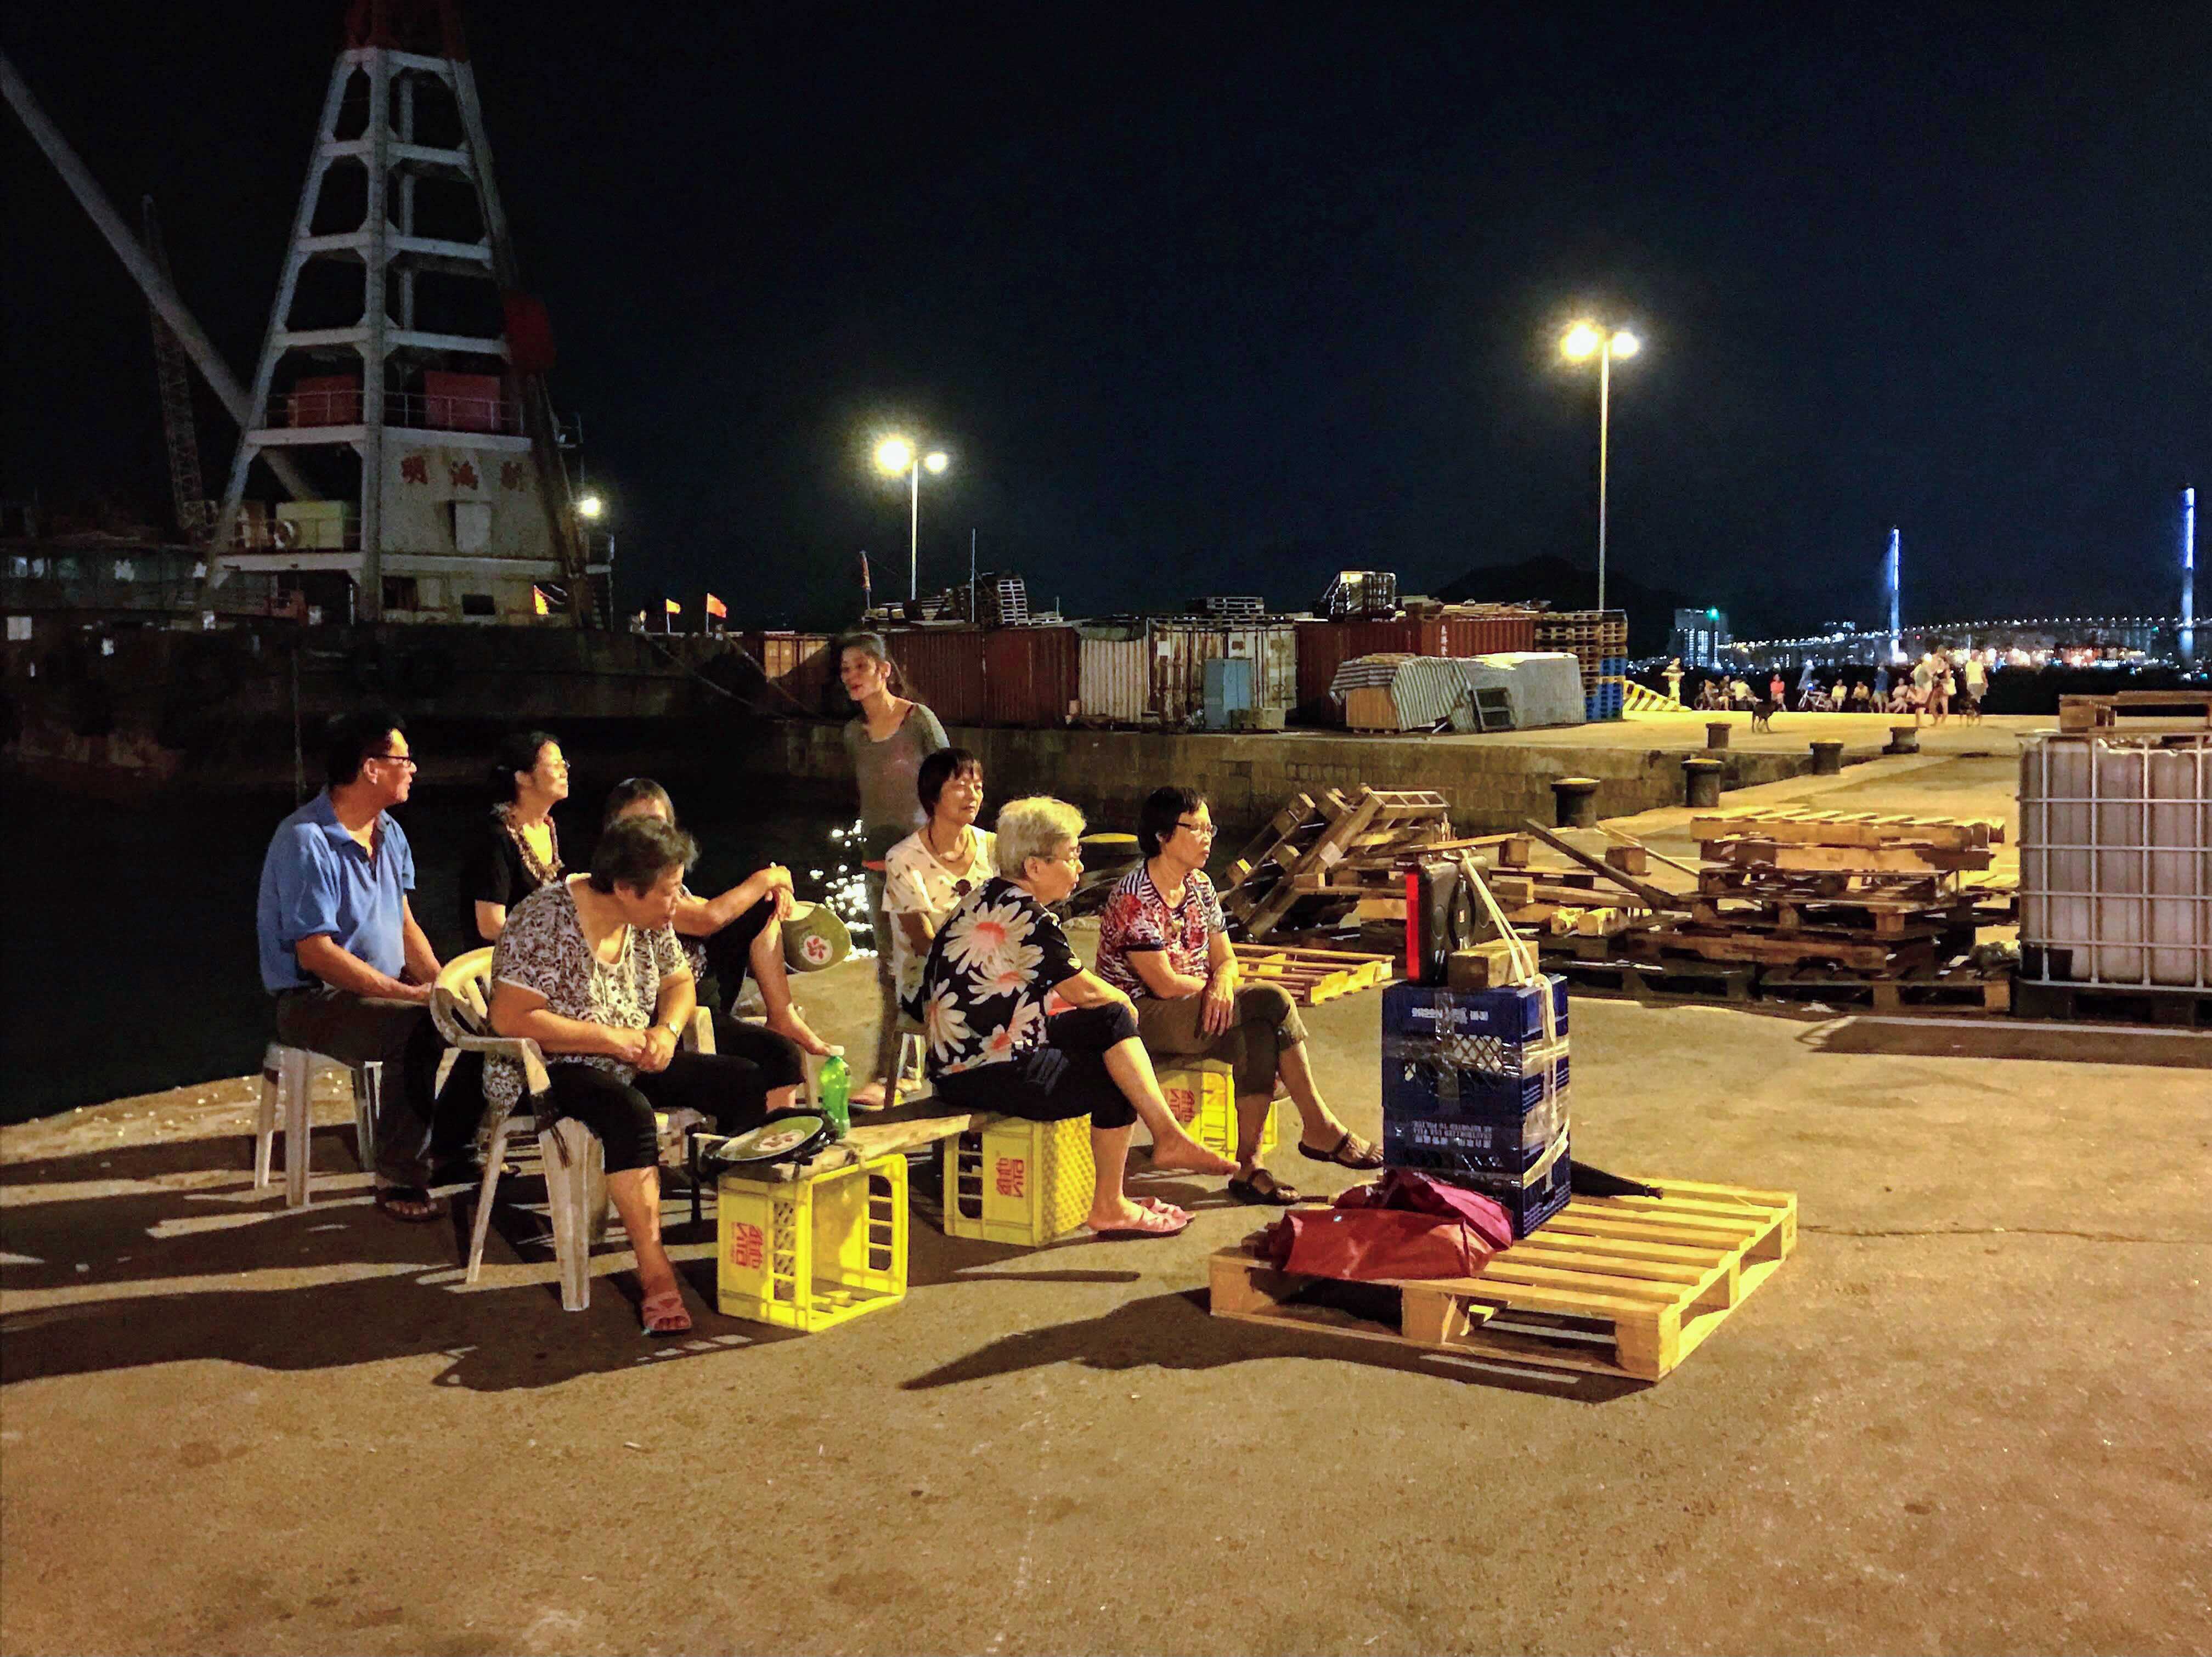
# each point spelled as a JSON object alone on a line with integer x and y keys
{"x": 2115, "y": 859}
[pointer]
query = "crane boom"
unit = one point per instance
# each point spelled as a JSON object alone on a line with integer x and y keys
{"x": 195, "y": 511}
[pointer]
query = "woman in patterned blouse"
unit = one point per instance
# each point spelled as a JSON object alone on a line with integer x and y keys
{"x": 992, "y": 967}
{"x": 1162, "y": 940}
{"x": 589, "y": 969}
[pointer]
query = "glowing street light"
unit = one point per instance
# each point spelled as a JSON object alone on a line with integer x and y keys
{"x": 590, "y": 507}
{"x": 1581, "y": 342}
{"x": 895, "y": 455}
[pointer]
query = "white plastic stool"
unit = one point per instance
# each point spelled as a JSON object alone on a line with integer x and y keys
{"x": 288, "y": 1076}
{"x": 576, "y": 1198}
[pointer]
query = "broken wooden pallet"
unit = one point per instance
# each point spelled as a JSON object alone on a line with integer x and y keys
{"x": 1321, "y": 853}
{"x": 1890, "y": 957}
{"x": 1891, "y": 857}
{"x": 1846, "y": 827}
{"x": 1313, "y": 976}
{"x": 1626, "y": 1286}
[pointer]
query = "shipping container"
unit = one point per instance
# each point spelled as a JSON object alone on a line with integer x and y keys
{"x": 1323, "y": 647}
{"x": 326, "y": 400}
{"x": 460, "y": 403}
{"x": 943, "y": 668}
{"x": 800, "y": 665}
{"x": 1113, "y": 674}
{"x": 1181, "y": 646}
{"x": 1030, "y": 675}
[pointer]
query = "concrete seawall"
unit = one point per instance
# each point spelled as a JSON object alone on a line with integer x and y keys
{"x": 1492, "y": 783}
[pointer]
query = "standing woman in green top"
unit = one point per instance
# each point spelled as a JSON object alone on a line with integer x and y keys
{"x": 887, "y": 743}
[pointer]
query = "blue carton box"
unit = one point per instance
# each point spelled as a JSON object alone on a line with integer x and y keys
{"x": 1528, "y": 1196}
{"x": 1513, "y": 1015}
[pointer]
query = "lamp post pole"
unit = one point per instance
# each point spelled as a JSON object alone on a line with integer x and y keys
{"x": 1581, "y": 342}
{"x": 1604, "y": 444}
{"x": 914, "y": 541}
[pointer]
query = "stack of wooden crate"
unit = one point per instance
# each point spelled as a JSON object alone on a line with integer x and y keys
{"x": 1308, "y": 869}
{"x": 1879, "y": 896}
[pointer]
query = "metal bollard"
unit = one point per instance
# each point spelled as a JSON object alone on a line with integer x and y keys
{"x": 1904, "y": 739}
{"x": 1701, "y": 782}
{"x": 1827, "y": 758}
{"x": 1574, "y": 802}
{"x": 1716, "y": 733}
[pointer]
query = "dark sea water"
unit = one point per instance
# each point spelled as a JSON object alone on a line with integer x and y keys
{"x": 128, "y": 952}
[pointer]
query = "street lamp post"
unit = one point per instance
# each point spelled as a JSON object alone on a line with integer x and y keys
{"x": 895, "y": 455}
{"x": 1581, "y": 342}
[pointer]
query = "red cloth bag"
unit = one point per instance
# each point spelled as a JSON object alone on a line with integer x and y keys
{"x": 1404, "y": 1188}
{"x": 1364, "y": 1244}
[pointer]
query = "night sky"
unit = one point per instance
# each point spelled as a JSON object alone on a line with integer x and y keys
{"x": 1221, "y": 298}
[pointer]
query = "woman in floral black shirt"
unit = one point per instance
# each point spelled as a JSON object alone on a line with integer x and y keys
{"x": 991, "y": 969}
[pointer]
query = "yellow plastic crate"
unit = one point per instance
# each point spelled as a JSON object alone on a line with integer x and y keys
{"x": 1201, "y": 1094}
{"x": 1019, "y": 1182}
{"x": 815, "y": 1252}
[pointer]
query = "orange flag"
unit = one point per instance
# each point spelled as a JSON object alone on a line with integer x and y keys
{"x": 538, "y": 601}
{"x": 716, "y": 607}
{"x": 674, "y": 609}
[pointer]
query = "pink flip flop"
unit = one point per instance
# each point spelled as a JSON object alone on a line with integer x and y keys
{"x": 1167, "y": 1226}
{"x": 664, "y": 1314}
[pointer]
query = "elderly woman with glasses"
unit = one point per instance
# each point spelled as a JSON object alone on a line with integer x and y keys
{"x": 1163, "y": 942}
{"x": 990, "y": 972}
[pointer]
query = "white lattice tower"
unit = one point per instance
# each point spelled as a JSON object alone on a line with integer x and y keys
{"x": 457, "y": 490}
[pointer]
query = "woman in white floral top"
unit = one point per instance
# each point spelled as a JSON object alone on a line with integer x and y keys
{"x": 991, "y": 970}
{"x": 589, "y": 969}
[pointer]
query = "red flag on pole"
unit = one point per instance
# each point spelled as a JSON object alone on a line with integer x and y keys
{"x": 716, "y": 607}
{"x": 867, "y": 591}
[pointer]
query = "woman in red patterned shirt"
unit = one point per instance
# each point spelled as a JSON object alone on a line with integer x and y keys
{"x": 1162, "y": 942}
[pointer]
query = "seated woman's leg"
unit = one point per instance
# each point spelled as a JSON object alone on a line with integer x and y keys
{"x": 620, "y": 1119}
{"x": 1111, "y": 1031}
{"x": 1053, "y": 1085}
{"x": 1274, "y": 1040}
{"x": 774, "y": 977}
{"x": 727, "y": 1090}
{"x": 776, "y": 1057}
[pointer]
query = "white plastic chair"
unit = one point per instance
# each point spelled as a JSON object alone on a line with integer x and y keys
{"x": 288, "y": 1099}
{"x": 574, "y": 1163}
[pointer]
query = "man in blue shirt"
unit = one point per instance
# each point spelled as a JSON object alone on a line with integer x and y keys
{"x": 340, "y": 948}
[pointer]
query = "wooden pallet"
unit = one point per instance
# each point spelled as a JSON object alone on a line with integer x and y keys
{"x": 1958, "y": 993}
{"x": 1865, "y": 828}
{"x": 1313, "y": 976}
{"x": 1626, "y": 1286}
{"x": 1590, "y": 966}
{"x": 1892, "y": 957}
{"x": 1321, "y": 853}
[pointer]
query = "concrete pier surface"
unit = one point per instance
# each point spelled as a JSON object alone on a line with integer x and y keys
{"x": 1968, "y": 1415}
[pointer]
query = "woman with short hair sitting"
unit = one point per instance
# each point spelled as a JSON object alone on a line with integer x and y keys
{"x": 589, "y": 969}
{"x": 990, "y": 971}
{"x": 927, "y": 874}
{"x": 1162, "y": 940}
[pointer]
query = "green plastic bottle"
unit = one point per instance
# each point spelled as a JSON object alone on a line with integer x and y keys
{"x": 833, "y": 1085}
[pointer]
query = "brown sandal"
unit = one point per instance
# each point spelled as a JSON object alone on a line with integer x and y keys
{"x": 1351, "y": 1152}
{"x": 1273, "y": 1193}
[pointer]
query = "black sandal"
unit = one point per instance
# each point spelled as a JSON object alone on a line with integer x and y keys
{"x": 1350, "y": 1152}
{"x": 388, "y": 1194}
{"x": 1274, "y": 1194}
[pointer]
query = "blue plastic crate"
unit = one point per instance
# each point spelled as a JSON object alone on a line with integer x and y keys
{"x": 1513, "y": 1013}
{"x": 1431, "y": 1082}
{"x": 1529, "y": 1196}
{"x": 1502, "y": 1137}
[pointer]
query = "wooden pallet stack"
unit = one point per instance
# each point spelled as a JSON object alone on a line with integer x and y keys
{"x": 1308, "y": 869}
{"x": 1880, "y": 896}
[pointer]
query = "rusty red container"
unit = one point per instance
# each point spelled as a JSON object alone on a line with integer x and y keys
{"x": 943, "y": 668}
{"x": 1324, "y": 647}
{"x": 1030, "y": 675}
{"x": 326, "y": 400}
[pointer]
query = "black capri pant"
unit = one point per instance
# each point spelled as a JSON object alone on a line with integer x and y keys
{"x": 1066, "y": 1077}
{"x": 619, "y": 1114}
{"x": 776, "y": 1058}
